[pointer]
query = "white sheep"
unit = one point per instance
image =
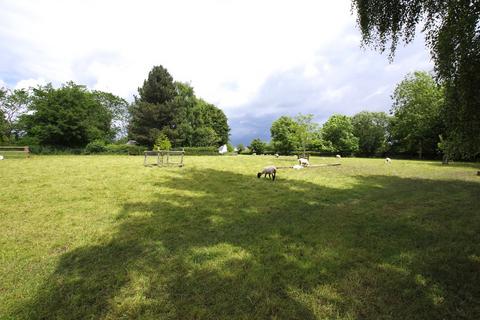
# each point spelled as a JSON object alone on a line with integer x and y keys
{"x": 338, "y": 156}
{"x": 270, "y": 170}
{"x": 277, "y": 155}
{"x": 388, "y": 160}
{"x": 303, "y": 162}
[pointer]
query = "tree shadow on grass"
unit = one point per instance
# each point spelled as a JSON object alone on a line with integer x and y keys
{"x": 223, "y": 245}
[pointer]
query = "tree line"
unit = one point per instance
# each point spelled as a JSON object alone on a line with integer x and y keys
{"x": 452, "y": 33}
{"x": 73, "y": 116}
{"x": 414, "y": 126}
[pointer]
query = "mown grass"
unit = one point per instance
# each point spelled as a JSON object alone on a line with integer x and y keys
{"x": 102, "y": 237}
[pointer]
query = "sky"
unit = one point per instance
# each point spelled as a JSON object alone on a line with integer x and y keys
{"x": 256, "y": 60}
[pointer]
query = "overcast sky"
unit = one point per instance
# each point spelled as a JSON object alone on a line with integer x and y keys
{"x": 256, "y": 60}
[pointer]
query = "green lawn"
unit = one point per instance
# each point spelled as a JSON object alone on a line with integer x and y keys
{"x": 103, "y": 237}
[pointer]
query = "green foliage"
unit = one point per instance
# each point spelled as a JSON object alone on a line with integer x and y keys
{"x": 453, "y": 36}
{"x": 230, "y": 147}
{"x": 185, "y": 119}
{"x": 153, "y": 110}
{"x": 119, "y": 109}
{"x": 96, "y": 146}
{"x": 371, "y": 129}
{"x": 338, "y": 130}
{"x": 210, "y": 151}
{"x": 305, "y": 130}
{"x": 70, "y": 117}
{"x": 162, "y": 142}
{"x": 204, "y": 137}
{"x": 13, "y": 103}
{"x": 3, "y": 128}
{"x": 417, "y": 106}
{"x": 258, "y": 146}
{"x": 318, "y": 144}
{"x": 283, "y": 133}
{"x": 158, "y": 88}
{"x": 125, "y": 149}
{"x": 240, "y": 148}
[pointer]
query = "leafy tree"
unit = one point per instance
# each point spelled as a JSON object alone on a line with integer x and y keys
{"x": 371, "y": 129}
{"x": 453, "y": 36}
{"x": 305, "y": 130}
{"x": 3, "y": 128}
{"x": 338, "y": 130}
{"x": 213, "y": 117}
{"x": 95, "y": 146}
{"x": 158, "y": 88}
{"x": 70, "y": 116}
{"x": 240, "y": 147}
{"x": 205, "y": 137}
{"x": 258, "y": 146}
{"x": 162, "y": 142}
{"x": 177, "y": 112}
{"x": 13, "y": 103}
{"x": 283, "y": 133}
{"x": 417, "y": 106}
{"x": 152, "y": 110}
{"x": 118, "y": 107}
{"x": 318, "y": 143}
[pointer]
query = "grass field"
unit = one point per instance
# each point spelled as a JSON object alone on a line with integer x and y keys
{"x": 103, "y": 237}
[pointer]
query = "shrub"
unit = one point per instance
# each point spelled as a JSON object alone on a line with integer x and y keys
{"x": 96, "y": 146}
{"x": 162, "y": 142}
{"x": 258, "y": 146}
{"x": 124, "y": 149}
{"x": 201, "y": 150}
{"x": 240, "y": 148}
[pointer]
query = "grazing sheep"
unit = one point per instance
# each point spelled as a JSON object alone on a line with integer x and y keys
{"x": 388, "y": 160}
{"x": 338, "y": 156}
{"x": 276, "y": 155}
{"x": 303, "y": 162}
{"x": 270, "y": 170}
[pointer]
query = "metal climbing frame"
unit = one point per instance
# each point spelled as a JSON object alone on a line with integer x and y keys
{"x": 164, "y": 158}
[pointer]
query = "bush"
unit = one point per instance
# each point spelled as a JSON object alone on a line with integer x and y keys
{"x": 124, "y": 149}
{"x": 201, "y": 151}
{"x": 162, "y": 142}
{"x": 96, "y": 146}
{"x": 258, "y": 146}
{"x": 53, "y": 150}
{"x": 246, "y": 151}
{"x": 240, "y": 148}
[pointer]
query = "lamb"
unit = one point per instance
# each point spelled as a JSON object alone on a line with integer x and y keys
{"x": 270, "y": 170}
{"x": 303, "y": 162}
{"x": 388, "y": 160}
{"x": 338, "y": 156}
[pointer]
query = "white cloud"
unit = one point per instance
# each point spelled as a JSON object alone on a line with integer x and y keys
{"x": 251, "y": 58}
{"x": 30, "y": 83}
{"x": 207, "y": 42}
